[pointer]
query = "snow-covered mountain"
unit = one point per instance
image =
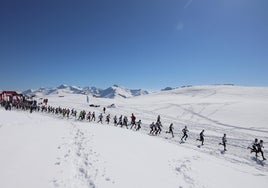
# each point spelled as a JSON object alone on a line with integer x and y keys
{"x": 117, "y": 91}
{"x": 167, "y": 89}
{"x": 111, "y": 92}
{"x": 58, "y": 90}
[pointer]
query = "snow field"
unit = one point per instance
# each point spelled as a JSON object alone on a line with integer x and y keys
{"x": 44, "y": 150}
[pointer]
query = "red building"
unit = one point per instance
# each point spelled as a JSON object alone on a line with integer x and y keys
{"x": 10, "y": 96}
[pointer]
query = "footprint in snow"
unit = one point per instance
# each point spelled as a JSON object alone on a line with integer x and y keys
{"x": 56, "y": 184}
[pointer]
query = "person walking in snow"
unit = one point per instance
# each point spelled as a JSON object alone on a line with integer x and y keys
{"x": 185, "y": 135}
{"x": 104, "y": 109}
{"x": 89, "y": 116}
{"x": 82, "y": 115}
{"x": 259, "y": 149}
{"x": 152, "y": 127}
{"x": 138, "y": 125}
{"x": 133, "y": 121}
{"x": 108, "y": 118}
{"x": 100, "y": 118}
{"x": 120, "y": 121}
{"x": 73, "y": 112}
{"x": 158, "y": 119}
{"x": 158, "y": 126}
{"x": 170, "y": 130}
{"x": 115, "y": 120}
{"x": 125, "y": 120}
{"x": 93, "y": 116}
{"x": 224, "y": 140}
{"x": 68, "y": 113}
{"x": 253, "y": 147}
{"x": 201, "y": 138}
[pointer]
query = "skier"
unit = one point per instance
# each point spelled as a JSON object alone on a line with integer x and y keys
{"x": 224, "y": 141}
{"x": 185, "y": 135}
{"x": 201, "y": 137}
{"x": 104, "y": 109}
{"x": 170, "y": 130}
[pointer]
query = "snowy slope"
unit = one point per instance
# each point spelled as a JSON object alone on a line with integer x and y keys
{"x": 43, "y": 150}
{"x": 40, "y": 151}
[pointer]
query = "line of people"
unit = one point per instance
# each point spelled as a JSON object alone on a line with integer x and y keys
{"x": 155, "y": 128}
{"x": 255, "y": 148}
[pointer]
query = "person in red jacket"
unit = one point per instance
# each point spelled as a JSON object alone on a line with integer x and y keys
{"x": 133, "y": 121}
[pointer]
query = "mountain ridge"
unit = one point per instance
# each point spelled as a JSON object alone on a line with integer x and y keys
{"x": 114, "y": 91}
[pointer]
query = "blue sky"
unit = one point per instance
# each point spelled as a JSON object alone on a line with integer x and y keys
{"x": 148, "y": 44}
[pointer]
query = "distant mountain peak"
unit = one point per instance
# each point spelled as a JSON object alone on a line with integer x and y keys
{"x": 62, "y": 86}
{"x": 111, "y": 92}
{"x": 167, "y": 89}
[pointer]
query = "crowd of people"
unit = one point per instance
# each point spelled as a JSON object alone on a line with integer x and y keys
{"x": 155, "y": 129}
{"x": 121, "y": 121}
